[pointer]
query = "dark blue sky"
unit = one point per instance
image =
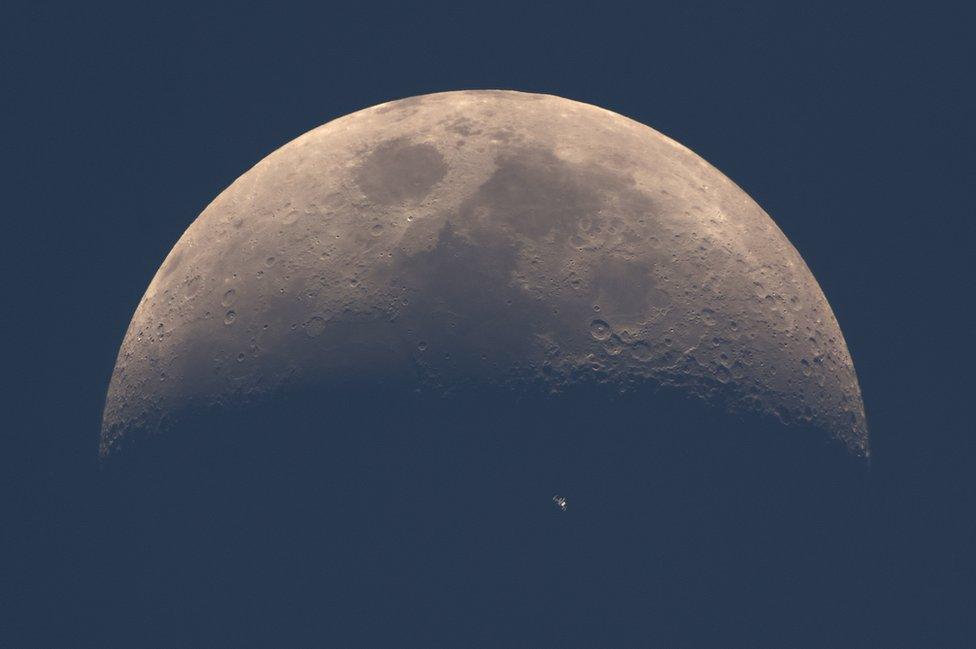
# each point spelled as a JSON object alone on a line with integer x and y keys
{"x": 851, "y": 125}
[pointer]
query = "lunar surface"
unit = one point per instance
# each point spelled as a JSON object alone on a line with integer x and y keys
{"x": 484, "y": 238}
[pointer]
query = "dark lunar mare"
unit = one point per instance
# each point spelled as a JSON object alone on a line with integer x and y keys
{"x": 379, "y": 517}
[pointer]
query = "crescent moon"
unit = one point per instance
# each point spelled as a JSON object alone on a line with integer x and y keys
{"x": 478, "y": 238}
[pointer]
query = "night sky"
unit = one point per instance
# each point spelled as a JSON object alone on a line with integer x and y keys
{"x": 851, "y": 126}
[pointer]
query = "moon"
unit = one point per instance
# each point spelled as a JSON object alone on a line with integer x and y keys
{"x": 457, "y": 240}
